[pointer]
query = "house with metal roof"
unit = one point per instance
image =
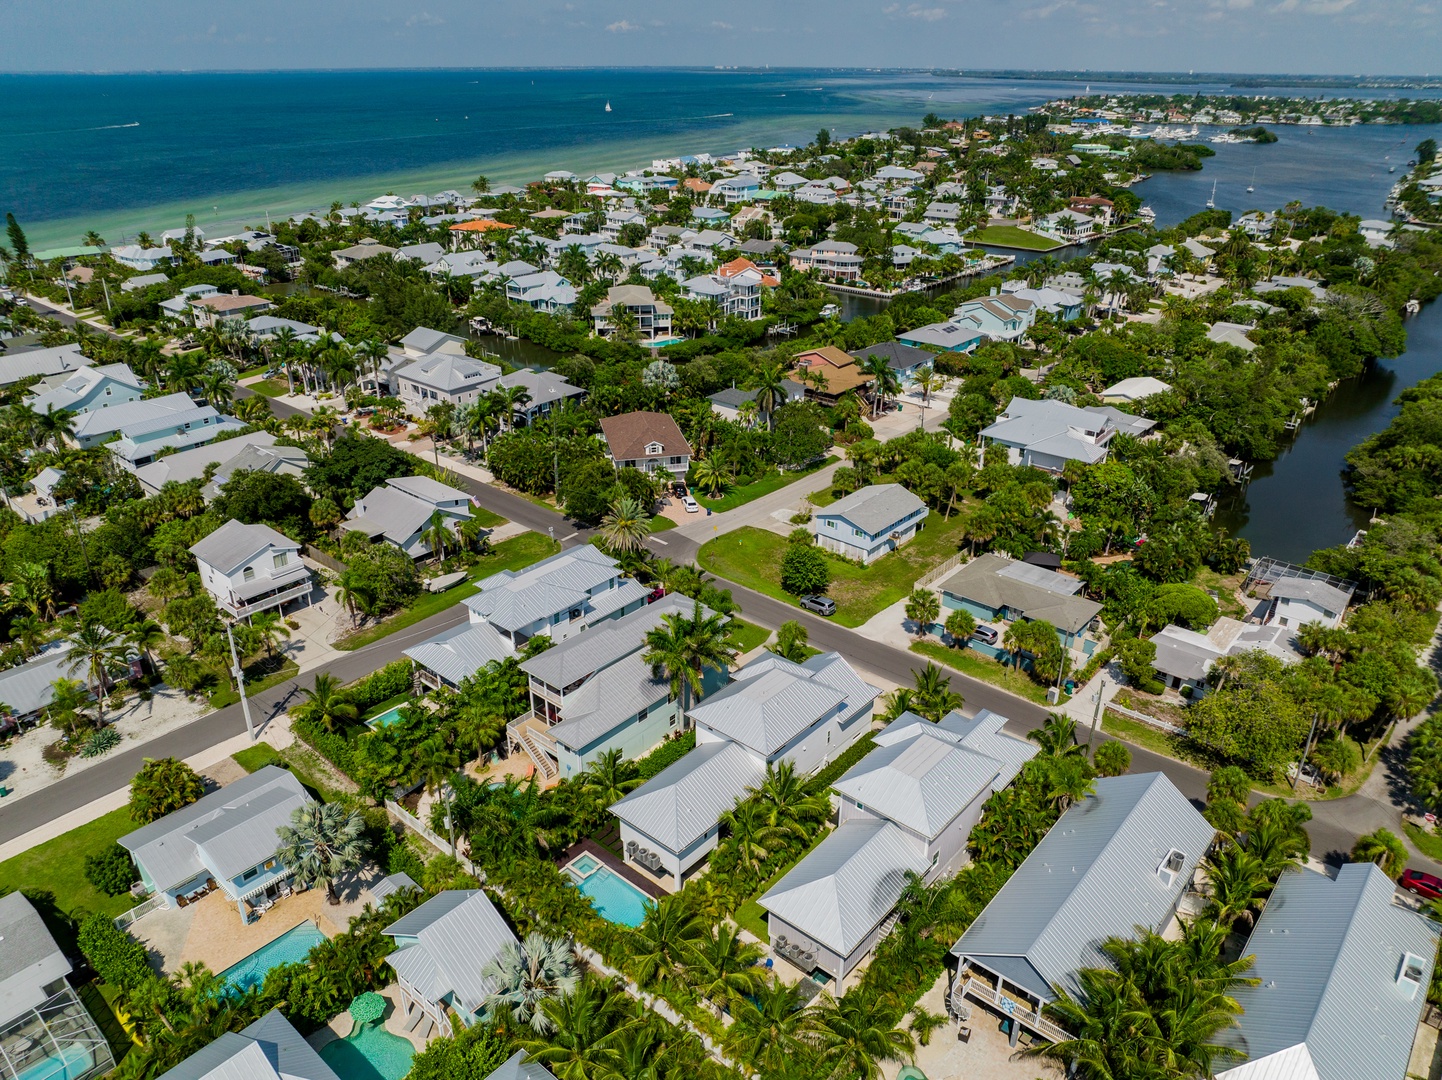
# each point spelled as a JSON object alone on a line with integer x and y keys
{"x": 593, "y": 693}
{"x": 729, "y": 403}
{"x": 227, "y": 840}
{"x": 89, "y": 389}
{"x": 1233, "y": 334}
{"x": 27, "y": 688}
{"x": 543, "y": 290}
{"x": 251, "y": 568}
{"x": 442, "y": 949}
{"x": 255, "y": 451}
{"x": 17, "y": 364}
{"x": 1344, "y": 971}
{"x": 96, "y": 426}
{"x": 908, "y": 806}
{"x": 269, "y": 1049}
{"x": 442, "y": 376}
{"x": 178, "y": 428}
{"x": 869, "y": 523}
{"x": 516, "y": 1067}
{"x": 650, "y": 316}
{"x": 1130, "y": 391}
{"x": 45, "y": 1031}
{"x": 400, "y": 512}
{"x": 906, "y": 361}
{"x": 997, "y": 589}
{"x": 1119, "y": 859}
{"x": 1297, "y": 601}
{"x": 1047, "y": 434}
{"x": 545, "y": 390}
{"x": 558, "y": 596}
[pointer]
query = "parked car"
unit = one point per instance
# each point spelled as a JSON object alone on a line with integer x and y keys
{"x": 655, "y": 594}
{"x": 987, "y": 635}
{"x": 822, "y": 605}
{"x": 679, "y": 489}
{"x": 691, "y": 505}
{"x": 1428, "y": 886}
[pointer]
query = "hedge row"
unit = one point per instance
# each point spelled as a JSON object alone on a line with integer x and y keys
{"x": 668, "y": 753}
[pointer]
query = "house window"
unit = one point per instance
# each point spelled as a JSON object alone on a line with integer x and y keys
{"x": 248, "y": 573}
{"x": 279, "y": 559}
{"x": 252, "y": 872}
{"x": 857, "y": 532}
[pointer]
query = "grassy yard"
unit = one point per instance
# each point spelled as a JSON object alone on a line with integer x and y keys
{"x": 824, "y": 497}
{"x": 52, "y": 874}
{"x": 739, "y": 496}
{"x": 309, "y": 768}
{"x": 513, "y": 554}
{"x": 1429, "y": 844}
{"x": 660, "y": 523}
{"x": 745, "y": 636}
{"x": 985, "y": 669}
{"x": 752, "y": 557}
{"x": 1014, "y": 237}
{"x": 269, "y": 388}
{"x": 226, "y": 694}
{"x": 485, "y": 518}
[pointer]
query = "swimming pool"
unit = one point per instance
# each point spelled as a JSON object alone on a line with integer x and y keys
{"x": 292, "y": 947}
{"x": 72, "y": 1061}
{"x": 390, "y": 716}
{"x": 615, "y": 898}
{"x": 369, "y": 1053}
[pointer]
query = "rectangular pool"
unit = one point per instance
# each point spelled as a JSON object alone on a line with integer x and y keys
{"x": 390, "y": 716}
{"x": 615, "y": 899}
{"x": 292, "y": 947}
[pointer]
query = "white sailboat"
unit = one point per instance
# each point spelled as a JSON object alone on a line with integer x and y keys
{"x": 608, "y": 106}
{"x": 1212, "y": 202}
{"x": 1253, "y": 185}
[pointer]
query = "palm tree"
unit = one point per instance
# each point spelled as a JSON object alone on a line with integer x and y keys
{"x": 28, "y": 633}
{"x": 933, "y": 697}
{"x": 1056, "y": 736}
{"x": 1383, "y": 847}
{"x": 791, "y": 640}
{"x": 769, "y": 382}
{"x": 527, "y": 975}
{"x": 751, "y": 836}
{"x": 928, "y": 380}
{"x": 253, "y": 410}
{"x": 666, "y": 940}
{"x": 960, "y": 625}
{"x": 353, "y": 593}
{"x": 711, "y": 475}
{"x": 683, "y": 647}
{"x": 1235, "y": 878}
{"x": 218, "y": 389}
{"x": 326, "y": 703}
{"x": 321, "y": 843}
{"x": 884, "y": 383}
{"x": 786, "y": 800}
{"x": 436, "y": 533}
{"x": 589, "y": 1027}
{"x": 923, "y": 608}
{"x": 69, "y": 698}
{"x": 269, "y": 628}
{"x": 609, "y": 778}
{"x": 725, "y": 967}
{"x": 853, "y": 1036}
{"x": 766, "y": 1028}
{"x": 626, "y": 525}
{"x": 435, "y": 764}
{"x": 95, "y": 649}
{"x": 145, "y": 635}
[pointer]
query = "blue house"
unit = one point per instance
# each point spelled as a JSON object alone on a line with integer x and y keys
{"x": 711, "y": 215}
{"x": 997, "y": 590}
{"x": 943, "y": 337}
{"x": 906, "y": 361}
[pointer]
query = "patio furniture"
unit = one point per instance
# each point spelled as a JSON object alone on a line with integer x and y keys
{"x": 963, "y": 1034}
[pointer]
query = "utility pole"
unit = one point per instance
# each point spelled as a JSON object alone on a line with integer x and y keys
{"x": 1306, "y": 749}
{"x": 240, "y": 682}
{"x": 1100, "y": 698}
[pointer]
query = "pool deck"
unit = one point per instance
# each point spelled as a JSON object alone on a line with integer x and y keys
{"x": 341, "y": 1024}
{"x": 608, "y": 859}
{"x": 211, "y": 931}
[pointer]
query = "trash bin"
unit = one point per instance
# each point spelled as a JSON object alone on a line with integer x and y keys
{"x": 708, "y": 511}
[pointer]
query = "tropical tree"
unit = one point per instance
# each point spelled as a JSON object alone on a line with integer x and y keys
{"x": 1235, "y": 880}
{"x": 436, "y": 533}
{"x": 884, "y": 382}
{"x": 766, "y": 1029}
{"x": 322, "y": 843}
{"x": 791, "y": 638}
{"x": 769, "y": 383}
{"x": 1056, "y": 737}
{"x": 711, "y": 475}
{"x": 665, "y": 942}
{"x": 786, "y": 799}
{"x": 527, "y": 975}
{"x": 95, "y": 649}
{"x": 1111, "y": 758}
{"x": 326, "y": 703}
{"x": 933, "y": 696}
{"x": 353, "y": 593}
{"x": 435, "y": 765}
{"x": 66, "y": 710}
{"x": 268, "y": 628}
{"x": 752, "y": 836}
{"x": 683, "y": 647}
{"x": 853, "y": 1036}
{"x": 609, "y": 777}
{"x": 1383, "y": 847}
{"x": 923, "y": 607}
{"x": 725, "y": 967}
{"x": 626, "y": 525}
{"x": 960, "y": 625}
{"x": 163, "y": 786}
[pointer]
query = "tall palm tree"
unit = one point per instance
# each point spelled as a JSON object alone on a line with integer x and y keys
{"x": 435, "y": 765}
{"x": 786, "y": 800}
{"x": 1235, "y": 879}
{"x": 711, "y": 475}
{"x": 352, "y": 593}
{"x": 322, "y": 843}
{"x": 145, "y": 635}
{"x": 626, "y": 525}
{"x": 666, "y": 940}
{"x": 769, "y": 382}
{"x": 436, "y": 534}
{"x": 609, "y": 777}
{"x": 69, "y": 698}
{"x": 326, "y": 703}
{"x": 725, "y": 967}
{"x": 884, "y": 382}
{"x": 269, "y": 628}
{"x": 589, "y": 1027}
{"x": 28, "y": 632}
{"x": 766, "y": 1029}
{"x": 95, "y": 649}
{"x": 1056, "y": 737}
{"x": 853, "y": 1037}
{"x": 683, "y": 647}
{"x": 527, "y": 975}
{"x": 751, "y": 834}
{"x": 933, "y": 696}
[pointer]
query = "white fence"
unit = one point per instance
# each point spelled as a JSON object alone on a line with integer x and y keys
{"x": 936, "y": 573}
{"x": 1150, "y": 721}
{"x": 410, "y": 821}
{"x": 145, "y": 907}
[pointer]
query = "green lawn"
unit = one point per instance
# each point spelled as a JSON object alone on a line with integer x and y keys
{"x": 752, "y": 557}
{"x": 984, "y": 668}
{"x": 300, "y": 759}
{"x": 1012, "y": 236}
{"x": 270, "y": 388}
{"x": 752, "y": 916}
{"x": 660, "y": 523}
{"x": 485, "y": 518}
{"x": 513, "y": 554}
{"x": 745, "y": 636}
{"x": 226, "y": 695}
{"x": 1429, "y": 844}
{"x": 739, "y": 496}
{"x": 256, "y": 757}
{"x": 53, "y": 873}
{"x": 259, "y": 369}
{"x": 824, "y": 497}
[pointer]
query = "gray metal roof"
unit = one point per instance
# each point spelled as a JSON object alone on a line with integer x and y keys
{"x": 131, "y": 414}
{"x": 392, "y": 883}
{"x": 24, "y": 363}
{"x": 269, "y": 1049}
{"x": 457, "y": 934}
{"x": 771, "y": 700}
{"x": 683, "y": 802}
{"x": 448, "y": 372}
{"x": 1183, "y": 653}
{"x": 285, "y": 460}
{"x": 612, "y": 695}
{"x": 990, "y": 580}
{"x": 898, "y": 357}
{"x": 461, "y": 651}
{"x": 513, "y": 599}
{"x": 925, "y": 780}
{"x": 516, "y": 1067}
{"x": 876, "y": 508}
{"x": 605, "y": 642}
{"x": 239, "y": 819}
{"x": 848, "y": 884}
{"x": 234, "y": 543}
{"x": 27, "y": 687}
{"x": 1330, "y": 1005}
{"x": 432, "y": 491}
{"x": 544, "y": 387}
{"x": 1095, "y": 874}
{"x": 191, "y": 464}
{"x": 395, "y": 512}
{"x": 1328, "y": 597}
{"x": 29, "y": 958}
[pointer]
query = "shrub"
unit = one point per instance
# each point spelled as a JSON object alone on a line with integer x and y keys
{"x": 116, "y": 956}
{"x": 804, "y": 570}
{"x": 668, "y": 753}
{"x": 111, "y": 870}
{"x": 101, "y": 742}
{"x": 393, "y": 679}
{"x": 163, "y": 786}
{"x": 1112, "y": 759}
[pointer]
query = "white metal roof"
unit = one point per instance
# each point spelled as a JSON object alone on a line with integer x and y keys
{"x": 231, "y": 545}
{"x": 683, "y": 802}
{"x": 875, "y": 508}
{"x": 456, "y": 934}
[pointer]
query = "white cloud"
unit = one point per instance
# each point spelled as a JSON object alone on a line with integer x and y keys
{"x": 622, "y": 27}
{"x": 425, "y": 18}
{"x": 722, "y": 26}
{"x": 916, "y": 11}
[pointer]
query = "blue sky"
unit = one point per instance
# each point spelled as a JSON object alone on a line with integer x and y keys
{"x": 1326, "y": 36}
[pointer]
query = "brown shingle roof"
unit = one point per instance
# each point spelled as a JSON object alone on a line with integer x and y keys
{"x": 226, "y": 302}
{"x": 628, "y": 435}
{"x": 830, "y": 355}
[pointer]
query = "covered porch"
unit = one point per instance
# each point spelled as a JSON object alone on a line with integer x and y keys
{"x": 1019, "y": 1009}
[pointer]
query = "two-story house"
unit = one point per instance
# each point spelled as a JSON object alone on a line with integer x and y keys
{"x": 833, "y": 259}
{"x": 731, "y": 190}
{"x": 90, "y": 389}
{"x": 736, "y": 287}
{"x": 649, "y": 441}
{"x": 772, "y": 711}
{"x": 869, "y": 523}
{"x": 1297, "y": 601}
{"x": 835, "y": 371}
{"x": 400, "y": 512}
{"x": 1047, "y": 434}
{"x": 442, "y": 374}
{"x": 227, "y": 840}
{"x": 650, "y": 317}
{"x": 907, "y": 807}
{"x": 93, "y": 426}
{"x": 227, "y": 309}
{"x": 148, "y": 427}
{"x": 145, "y": 259}
{"x": 995, "y": 589}
{"x": 545, "y": 290}
{"x": 251, "y": 568}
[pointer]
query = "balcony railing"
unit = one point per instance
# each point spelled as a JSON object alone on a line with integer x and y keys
{"x": 242, "y": 608}
{"x": 1008, "y": 1006}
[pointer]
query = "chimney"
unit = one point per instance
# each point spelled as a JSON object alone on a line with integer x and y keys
{"x": 234, "y": 292}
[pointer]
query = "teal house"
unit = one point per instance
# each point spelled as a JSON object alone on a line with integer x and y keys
{"x": 997, "y": 590}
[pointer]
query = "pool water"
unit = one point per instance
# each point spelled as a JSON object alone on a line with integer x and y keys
{"x": 390, "y": 716}
{"x": 585, "y": 866}
{"x": 72, "y": 1061}
{"x": 615, "y": 898}
{"x": 369, "y": 1053}
{"x": 292, "y": 947}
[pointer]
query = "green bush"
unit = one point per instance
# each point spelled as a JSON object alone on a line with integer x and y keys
{"x": 116, "y": 956}
{"x": 804, "y": 570}
{"x": 834, "y": 772}
{"x": 332, "y": 746}
{"x": 378, "y": 686}
{"x": 668, "y": 753}
{"x": 111, "y": 870}
{"x": 100, "y": 742}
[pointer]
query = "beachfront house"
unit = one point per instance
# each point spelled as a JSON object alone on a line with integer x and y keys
{"x": 250, "y": 568}
{"x": 399, "y": 512}
{"x": 1119, "y": 859}
{"x": 227, "y": 840}
{"x": 650, "y": 317}
{"x": 649, "y": 441}
{"x": 45, "y": 1031}
{"x": 869, "y": 523}
{"x": 996, "y": 590}
{"x": 772, "y": 711}
{"x": 558, "y": 596}
{"x": 907, "y": 806}
{"x": 88, "y": 390}
{"x": 594, "y": 693}
{"x": 1342, "y": 971}
{"x": 442, "y": 950}
{"x": 1047, "y": 434}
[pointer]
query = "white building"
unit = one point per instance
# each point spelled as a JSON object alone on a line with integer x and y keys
{"x": 869, "y": 523}
{"x": 251, "y": 568}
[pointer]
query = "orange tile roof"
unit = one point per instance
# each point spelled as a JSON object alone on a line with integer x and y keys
{"x": 692, "y": 183}
{"x": 480, "y": 225}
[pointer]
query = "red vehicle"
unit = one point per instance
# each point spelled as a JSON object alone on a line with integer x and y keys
{"x": 655, "y": 594}
{"x": 1428, "y": 886}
